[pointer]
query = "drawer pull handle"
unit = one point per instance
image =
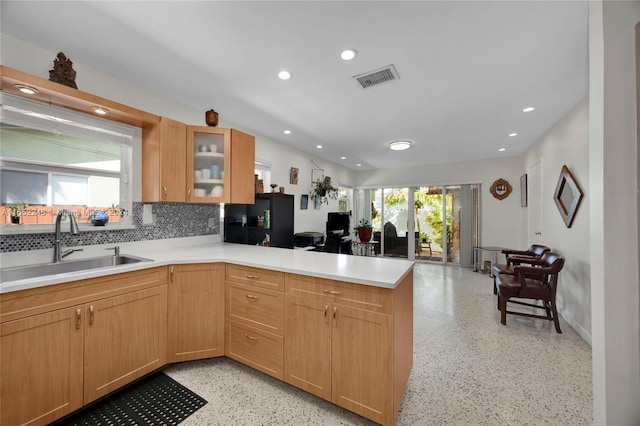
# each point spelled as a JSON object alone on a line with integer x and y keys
{"x": 252, "y": 276}
{"x": 91, "y": 313}
{"x": 335, "y": 312}
{"x": 250, "y": 296}
{"x": 333, "y": 292}
{"x": 78, "y": 316}
{"x": 326, "y": 309}
{"x": 251, "y": 337}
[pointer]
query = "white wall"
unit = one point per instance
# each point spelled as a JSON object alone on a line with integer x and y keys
{"x": 613, "y": 164}
{"x": 33, "y": 60}
{"x": 567, "y": 143}
{"x": 502, "y": 221}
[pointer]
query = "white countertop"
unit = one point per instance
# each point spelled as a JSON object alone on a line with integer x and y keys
{"x": 373, "y": 271}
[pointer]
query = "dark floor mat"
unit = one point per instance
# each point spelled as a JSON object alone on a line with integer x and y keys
{"x": 155, "y": 400}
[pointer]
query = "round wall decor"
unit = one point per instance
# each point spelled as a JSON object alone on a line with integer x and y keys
{"x": 500, "y": 189}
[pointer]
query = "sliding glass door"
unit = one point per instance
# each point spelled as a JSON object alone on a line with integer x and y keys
{"x": 441, "y": 226}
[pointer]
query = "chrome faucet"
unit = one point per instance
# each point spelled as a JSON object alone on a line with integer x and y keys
{"x": 73, "y": 229}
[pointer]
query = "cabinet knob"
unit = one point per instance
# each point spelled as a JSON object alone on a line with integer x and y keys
{"x": 250, "y": 296}
{"x": 254, "y": 338}
{"x": 253, "y": 277}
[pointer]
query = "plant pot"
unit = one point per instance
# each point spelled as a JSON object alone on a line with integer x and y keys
{"x": 365, "y": 234}
{"x": 15, "y": 219}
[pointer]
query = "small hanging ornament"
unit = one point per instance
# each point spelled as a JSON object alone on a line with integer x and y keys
{"x": 211, "y": 118}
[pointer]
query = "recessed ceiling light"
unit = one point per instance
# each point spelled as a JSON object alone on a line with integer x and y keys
{"x": 284, "y": 75}
{"x": 399, "y": 145}
{"x": 100, "y": 110}
{"x": 287, "y": 132}
{"x": 528, "y": 109}
{"x": 502, "y": 149}
{"x": 26, "y": 89}
{"x": 358, "y": 165}
{"x": 348, "y": 54}
{"x": 512, "y": 134}
{"x": 343, "y": 158}
{"x": 319, "y": 146}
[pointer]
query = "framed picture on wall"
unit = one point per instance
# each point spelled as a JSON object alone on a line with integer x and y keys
{"x": 293, "y": 176}
{"x": 304, "y": 202}
{"x": 523, "y": 190}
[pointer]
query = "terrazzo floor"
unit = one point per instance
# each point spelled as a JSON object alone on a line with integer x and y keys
{"x": 468, "y": 369}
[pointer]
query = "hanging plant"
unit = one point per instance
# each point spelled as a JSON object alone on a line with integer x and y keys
{"x": 323, "y": 189}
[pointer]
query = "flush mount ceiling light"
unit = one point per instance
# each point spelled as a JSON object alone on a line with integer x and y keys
{"x": 319, "y": 146}
{"x": 348, "y": 54}
{"x": 502, "y": 149}
{"x": 399, "y": 145}
{"x": 343, "y": 158}
{"x": 528, "y": 109}
{"x": 513, "y": 134}
{"x": 287, "y": 132}
{"x": 26, "y": 89}
{"x": 358, "y": 165}
{"x": 284, "y": 75}
{"x": 100, "y": 110}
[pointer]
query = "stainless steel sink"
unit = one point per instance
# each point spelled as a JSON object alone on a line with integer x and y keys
{"x": 40, "y": 270}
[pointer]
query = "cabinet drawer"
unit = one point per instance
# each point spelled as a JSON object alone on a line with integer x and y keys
{"x": 264, "y": 278}
{"x": 358, "y": 296}
{"x": 256, "y": 348}
{"x": 256, "y": 307}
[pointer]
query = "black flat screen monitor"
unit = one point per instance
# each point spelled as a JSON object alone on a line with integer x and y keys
{"x": 338, "y": 221}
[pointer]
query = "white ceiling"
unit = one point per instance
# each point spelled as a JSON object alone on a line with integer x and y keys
{"x": 467, "y": 68}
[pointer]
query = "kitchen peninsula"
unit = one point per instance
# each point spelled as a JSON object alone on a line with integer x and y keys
{"x": 337, "y": 326}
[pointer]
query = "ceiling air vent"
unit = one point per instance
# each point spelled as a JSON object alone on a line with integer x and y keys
{"x": 378, "y": 76}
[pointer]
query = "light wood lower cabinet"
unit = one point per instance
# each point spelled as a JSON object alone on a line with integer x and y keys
{"x": 41, "y": 359}
{"x": 196, "y": 311}
{"x": 255, "y": 318}
{"x": 125, "y": 338}
{"x": 103, "y": 333}
{"x": 359, "y": 359}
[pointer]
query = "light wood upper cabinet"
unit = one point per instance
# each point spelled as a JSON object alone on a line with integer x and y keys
{"x": 197, "y": 164}
{"x": 220, "y": 165}
{"x": 196, "y": 312}
{"x": 164, "y": 162}
{"x": 125, "y": 338}
{"x": 41, "y": 360}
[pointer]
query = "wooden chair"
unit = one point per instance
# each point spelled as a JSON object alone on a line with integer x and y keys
{"x": 536, "y": 282}
{"x": 516, "y": 257}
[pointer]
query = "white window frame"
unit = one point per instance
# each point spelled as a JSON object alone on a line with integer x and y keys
{"x": 44, "y": 117}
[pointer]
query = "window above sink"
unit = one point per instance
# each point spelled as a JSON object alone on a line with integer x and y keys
{"x": 53, "y": 158}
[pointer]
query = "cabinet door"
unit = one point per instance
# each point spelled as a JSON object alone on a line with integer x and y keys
{"x": 362, "y": 361}
{"x": 173, "y": 156}
{"x": 209, "y": 164}
{"x": 41, "y": 367}
{"x": 125, "y": 338}
{"x": 307, "y": 345}
{"x": 196, "y": 312}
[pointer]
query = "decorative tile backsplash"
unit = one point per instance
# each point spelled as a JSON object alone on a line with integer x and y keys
{"x": 173, "y": 220}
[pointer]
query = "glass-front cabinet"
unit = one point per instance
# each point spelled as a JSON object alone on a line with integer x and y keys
{"x": 207, "y": 163}
{"x": 219, "y": 165}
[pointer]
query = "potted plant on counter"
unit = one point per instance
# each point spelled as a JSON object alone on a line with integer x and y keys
{"x": 323, "y": 189}
{"x": 365, "y": 230}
